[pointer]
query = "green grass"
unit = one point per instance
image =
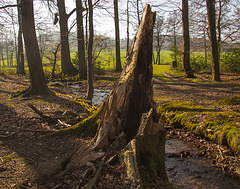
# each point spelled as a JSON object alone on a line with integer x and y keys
{"x": 165, "y": 56}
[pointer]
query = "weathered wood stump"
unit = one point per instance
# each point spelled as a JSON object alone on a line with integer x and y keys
{"x": 133, "y": 92}
{"x": 144, "y": 156}
{"x": 129, "y": 113}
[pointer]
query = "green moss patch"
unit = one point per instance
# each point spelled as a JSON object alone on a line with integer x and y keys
{"x": 235, "y": 100}
{"x": 219, "y": 126}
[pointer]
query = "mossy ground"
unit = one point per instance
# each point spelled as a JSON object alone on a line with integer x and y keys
{"x": 222, "y": 126}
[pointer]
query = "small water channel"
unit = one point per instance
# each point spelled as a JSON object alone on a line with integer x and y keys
{"x": 99, "y": 95}
{"x": 189, "y": 173}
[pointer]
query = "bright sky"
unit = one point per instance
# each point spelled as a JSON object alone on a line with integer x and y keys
{"x": 104, "y": 23}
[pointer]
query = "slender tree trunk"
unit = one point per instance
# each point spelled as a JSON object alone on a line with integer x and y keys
{"x": 90, "y": 45}
{"x": 175, "y": 41}
{"x": 186, "y": 40}
{"x": 138, "y": 13}
{"x": 80, "y": 38}
{"x": 20, "y": 53}
{"x": 7, "y": 55}
{"x": 86, "y": 25}
{"x": 213, "y": 40}
{"x": 117, "y": 37}
{"x": 153, "y": 57}
{"x": 55, "y": 60}
{"x": 205, "y": 40}
{"x": 3, "y": 63}
{"x": 67, "y": 67}
{"x": 159, "y": 56}
{"x": 219, "y": 28}
{"x": 127, "y": 28}
{"x": 38, "y": 84}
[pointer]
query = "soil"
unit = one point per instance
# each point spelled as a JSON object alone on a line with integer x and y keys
{"x": 28, "y": 159}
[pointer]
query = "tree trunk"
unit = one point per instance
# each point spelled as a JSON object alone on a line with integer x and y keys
{"x": 80, "y": 38}
{"x": 144, "y": 156}
{"x": 174, "y": 40}
{"x": 117, "y": 38}
{"x": 55, "y": 60}
{"x": 7, "y": 55}
{"x": 127, "y": 28}
{"x": 3, "y": 63}
{"x": 128, "y": 115}
{"x": 213, "y": 40}
{"x": 86, "y": 25}
{"x": 90, "y": 46}
{"x": 67, "y": 67}
{"x": 205, "y": 41}
{"x": 38, "y": 84}
{"x": 186, "y": 40}
{"x": 122, "y": 111}
{"x": 20, "y": 53}
{"x": 219, "y": 28}
{"x": 138, "y": 13}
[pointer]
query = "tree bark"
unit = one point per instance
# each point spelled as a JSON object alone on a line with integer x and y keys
{"x": 144, "y": 156}
{"x": 20, "y": 53}
{"x": 128, "y": 115}
{"x": 80, "y": 38}
{"x": 117, "y": 37}
{"x": 122, "y": 111}
{"x": 127, "y": 53}
{"x": 66, "y": 64}
{"x": 38, "y": 84}
{"x": 90, "y": 46}
{"x": 186, "y": 40}
{"x": 213, "y": 40}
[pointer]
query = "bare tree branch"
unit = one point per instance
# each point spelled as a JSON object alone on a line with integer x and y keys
{"x": 7, "y": 6}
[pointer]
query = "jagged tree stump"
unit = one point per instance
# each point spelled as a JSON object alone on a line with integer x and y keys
{"x": 129, "y": 112}
{"x": 133, "y": 92}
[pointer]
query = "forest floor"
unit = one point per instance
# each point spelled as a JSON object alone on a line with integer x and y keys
{"x": 29, "y": 160}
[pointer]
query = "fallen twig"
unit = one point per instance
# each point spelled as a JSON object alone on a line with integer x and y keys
{"x": 6, "y": 136}
{"x": 38, "y": 130}
{"x": 68, "y": 125}
{"x": 92, "y": 182}
{"x": 47, "y": 118}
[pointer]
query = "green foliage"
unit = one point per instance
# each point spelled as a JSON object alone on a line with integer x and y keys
{"x": 165, "y": 57}
{"x": 199, "y": 64}
{"x": 8, "y": 71}
{"x": 104, "y": 62}
{"x": 230, "y": 61}
{"x": 176, "y": 53}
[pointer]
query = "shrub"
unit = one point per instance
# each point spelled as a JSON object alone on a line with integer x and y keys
{"x": 176, "y": 52}
{"x": 199, "y": 64}
{"x": 230, "y": 61}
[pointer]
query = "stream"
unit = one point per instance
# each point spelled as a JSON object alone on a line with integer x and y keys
{"x": 183, "y": 172}
{"x": 188, "y": 173}
{"x": 99, "y": 95}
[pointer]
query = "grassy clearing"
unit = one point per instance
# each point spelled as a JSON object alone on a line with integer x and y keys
{"x": 222, "y": 127}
